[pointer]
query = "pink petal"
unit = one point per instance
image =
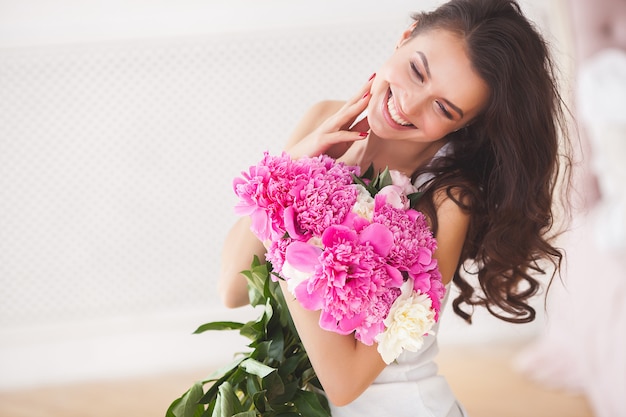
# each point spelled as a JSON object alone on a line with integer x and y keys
{"x": 311, "y": 300}
{"x": 367, "y": 335}
{"x": 289, "y": 217}
{"x": 350, "y": 324}
{"x": 337, "y": 233}
{"x": 329, "y": 322}
{"x": 395, "y": 277}
{"x": 379, "y": 237}
{"x": 303, "y": 256}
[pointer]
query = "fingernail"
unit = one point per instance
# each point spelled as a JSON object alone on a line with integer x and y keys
{"x": 372, "y": 77}
{"x": 365, "y": 95}
{"x": 363, "y": 134}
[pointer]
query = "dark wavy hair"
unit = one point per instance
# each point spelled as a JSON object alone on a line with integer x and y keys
{"x": 507, "y": 163}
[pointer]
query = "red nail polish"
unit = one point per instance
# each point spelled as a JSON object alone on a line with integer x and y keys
{"x": 363, "y": 134}
{"x": 365, "y": 95}
{"x": 372, "y": 77}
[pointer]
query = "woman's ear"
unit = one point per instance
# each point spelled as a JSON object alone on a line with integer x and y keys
{"x": 406, "y": 35}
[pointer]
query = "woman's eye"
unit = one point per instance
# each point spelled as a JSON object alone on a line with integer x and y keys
{"x": 444, "y": 110}
{"x": 417, "y": 72}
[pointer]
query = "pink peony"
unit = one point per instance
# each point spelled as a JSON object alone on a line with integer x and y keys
{"x": 400, "y": 180}
{"x": 342, "y": 251}
{"x": 353, "y": 281}
{"x": 323, "y": 201}
{"x": 302, "y": 197}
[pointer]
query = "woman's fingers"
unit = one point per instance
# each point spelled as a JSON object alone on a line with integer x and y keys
{"x": 338, "y": 129}
{"x": 355, "y": 106}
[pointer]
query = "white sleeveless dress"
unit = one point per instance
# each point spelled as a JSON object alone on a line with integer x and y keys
{"x": 410, "y": 386}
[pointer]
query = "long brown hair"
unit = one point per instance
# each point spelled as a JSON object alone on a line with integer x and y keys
{"x": 506, "y": 163}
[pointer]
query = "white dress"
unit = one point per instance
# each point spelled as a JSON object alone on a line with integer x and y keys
{"x": 410, "y": 386}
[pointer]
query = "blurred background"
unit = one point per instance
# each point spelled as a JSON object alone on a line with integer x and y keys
{"x": 122, "y": 125}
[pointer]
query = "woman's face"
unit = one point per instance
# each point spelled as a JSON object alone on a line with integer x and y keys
{"x": 426, "y": 90}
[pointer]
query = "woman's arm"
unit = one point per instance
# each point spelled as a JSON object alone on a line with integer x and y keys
{"x": 240, "y": 247}
{"x": 345, "y": 366}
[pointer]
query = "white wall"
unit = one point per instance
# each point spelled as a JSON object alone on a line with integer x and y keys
{"x": 37, "y": 22}
{"x": 122, "y": 125}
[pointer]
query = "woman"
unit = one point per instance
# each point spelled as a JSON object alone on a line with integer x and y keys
{"x": 468, "y": 107}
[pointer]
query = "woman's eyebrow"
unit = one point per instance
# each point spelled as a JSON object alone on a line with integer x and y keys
{"x": 425, "y": 62}
{"x": 454, "y": 107}
{"x": 427, "y": 68}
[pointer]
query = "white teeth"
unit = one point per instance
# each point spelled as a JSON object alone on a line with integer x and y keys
{"x": 394, "y": 115}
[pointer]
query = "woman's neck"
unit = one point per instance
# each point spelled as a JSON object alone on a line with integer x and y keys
{"x": 403, "y": 156}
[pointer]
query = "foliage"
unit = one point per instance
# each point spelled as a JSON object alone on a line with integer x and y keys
{"x": 274, "y": 379}
{"x": 373, "y": 183}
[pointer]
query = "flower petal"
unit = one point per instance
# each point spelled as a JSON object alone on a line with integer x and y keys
{"x": 311, "y": 300}
{"x": 303, "y": 256}
{"x": 379, "y": 236}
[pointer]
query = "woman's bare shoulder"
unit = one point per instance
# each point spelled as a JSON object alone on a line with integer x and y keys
{"x": 313, "y": 117}
{"x": 323, "y": 109}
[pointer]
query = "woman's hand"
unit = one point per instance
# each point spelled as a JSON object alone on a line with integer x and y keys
{"x": 336, "y": 133}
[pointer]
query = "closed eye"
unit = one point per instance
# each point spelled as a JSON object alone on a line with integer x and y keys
{"x": 444, "y": 110}
{"x": 417, "y": 72}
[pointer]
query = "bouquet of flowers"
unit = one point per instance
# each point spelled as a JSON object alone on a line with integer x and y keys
{"x": 350, "y": 246}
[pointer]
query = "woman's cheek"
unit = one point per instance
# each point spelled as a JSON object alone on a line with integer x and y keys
{"x": 436, "y": 130}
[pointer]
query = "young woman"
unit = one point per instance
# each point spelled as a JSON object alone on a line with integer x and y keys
{"x": 468, "y": 106}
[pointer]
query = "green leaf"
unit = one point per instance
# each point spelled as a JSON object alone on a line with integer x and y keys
{"x": 255, "y": 330}
{"x": 309, "y": 404}
{"x": 261, "y": 352}
{"x": 260, "y": 402}
{"x": 227, "y": 403}
{"x": 369, "y": 172}
{"x": 232, "y": 377}
{"x": 224, "y": 371}
{"x": 289, "y": 365}
{"x": 274, "y": 386}
{"x": 257, "y": 368}
{"x": 383, "y": 179}
{"x": 277, "y": 346}
{"x": 369, "y": 186}
{"x": 172, "y": 410}
{"x": 256, "y": 276}
{"x": 219, "y": 325}
{"x": 283, "y": 311}
{"x": 414, "y": 198}
{"x": 252, "y": 386}
{"x": 188, "y": 405}
{"x": 245, "y": 414}
{"x": 288, "y": 394}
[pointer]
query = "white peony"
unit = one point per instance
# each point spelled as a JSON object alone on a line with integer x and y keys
{"x": 293, "y": 276}
{"x": 364, "y": 205}
{"x": 410, "y": 318}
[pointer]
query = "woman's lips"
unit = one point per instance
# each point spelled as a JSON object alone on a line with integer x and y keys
{"x": 391, "y": 115}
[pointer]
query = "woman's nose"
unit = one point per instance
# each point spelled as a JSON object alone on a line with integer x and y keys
{"x": 412, "y": 103}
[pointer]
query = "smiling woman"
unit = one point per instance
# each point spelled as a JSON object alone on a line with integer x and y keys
{"x": 122, "y": 125}
{"x": 467, "y": 106}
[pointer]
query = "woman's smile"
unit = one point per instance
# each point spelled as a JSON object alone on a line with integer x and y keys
{"x": 393, "y": 115}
